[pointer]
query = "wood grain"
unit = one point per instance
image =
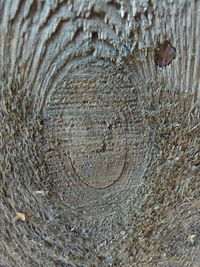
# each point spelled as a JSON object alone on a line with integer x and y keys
{"x": 100, "y": 147}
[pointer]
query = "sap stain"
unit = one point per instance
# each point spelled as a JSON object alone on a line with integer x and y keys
{"x": 164, "y": 54}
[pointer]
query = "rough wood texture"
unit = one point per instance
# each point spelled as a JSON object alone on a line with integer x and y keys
{"x": 100, "y": 148}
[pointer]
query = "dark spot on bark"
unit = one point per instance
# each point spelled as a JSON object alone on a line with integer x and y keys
{"x": 94, "y": 35}
{"x": 137, "y": 16}
{"x": 164, "y": 54}
{"x": 146, "y": 14}
{"x": 110, "y": 126}
{"x": 115, "y": 4}
{"x": 42, "y": 121}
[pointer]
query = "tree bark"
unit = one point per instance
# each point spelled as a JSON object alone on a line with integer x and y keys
{"x": 100, "y": 133}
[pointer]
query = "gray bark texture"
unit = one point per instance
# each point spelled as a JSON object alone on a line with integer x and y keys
{"x": 100, "y": 147}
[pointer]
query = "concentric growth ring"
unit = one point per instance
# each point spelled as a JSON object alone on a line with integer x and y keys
{"x": 103, "y": 136}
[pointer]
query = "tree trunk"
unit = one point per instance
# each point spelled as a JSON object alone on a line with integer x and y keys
{"x": 100, "y": 133}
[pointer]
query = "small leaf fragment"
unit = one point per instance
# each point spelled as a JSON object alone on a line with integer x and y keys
{"x": 20, "y": 216}
{"x": 191, "y": 238}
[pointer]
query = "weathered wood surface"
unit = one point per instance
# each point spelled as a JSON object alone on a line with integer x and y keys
{"x": 99, "y": 147}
